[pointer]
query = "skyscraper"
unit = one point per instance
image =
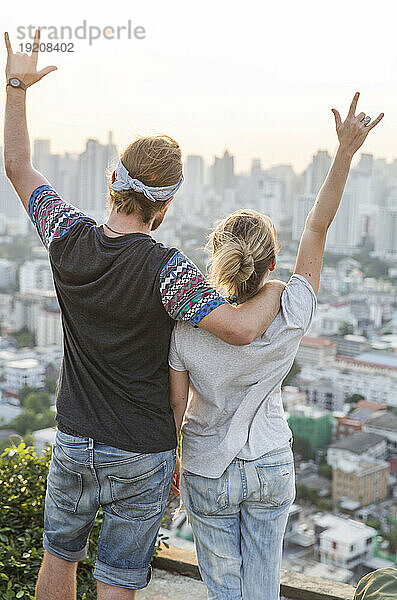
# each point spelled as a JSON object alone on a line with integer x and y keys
{"x": 223, "y": 172}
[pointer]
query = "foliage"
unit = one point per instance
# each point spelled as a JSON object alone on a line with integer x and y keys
{"x": 354, "y": 398}
{"x": 302, "y": 447}
{"x": 346, "y": 328}
{"x": 50, "y": 384}
{"x": 29, "y": 421}
{"x": 24, "y": 338}
{"x": 38, "y": 402}
{"x": 23, "y": 477}
{"x": 325, "y": 471}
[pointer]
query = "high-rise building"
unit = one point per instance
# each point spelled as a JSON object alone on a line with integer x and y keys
{"x": 35, "y": 275}
{"x": 10, "y": 205}
{"x": 94, "y": 163}
{"x": 223, "y": 172}
{"x": 317, "y": 171}
{"x": 194, "y": 175}
{"x": 302, "y": 206}
{"x": 386, "y": 233}
{"x": 345, "y": 233}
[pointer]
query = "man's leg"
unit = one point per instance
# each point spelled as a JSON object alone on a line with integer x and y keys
{"x": 110, "y": 592}
{"x": 57, "y": 579}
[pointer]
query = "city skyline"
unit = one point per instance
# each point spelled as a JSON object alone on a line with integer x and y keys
{"x": 260, "y": 82}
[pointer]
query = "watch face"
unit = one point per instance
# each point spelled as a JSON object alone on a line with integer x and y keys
{"x": 14, "y": 82}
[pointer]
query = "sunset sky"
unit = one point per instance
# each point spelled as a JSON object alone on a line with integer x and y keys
{"x": 258, "y": 78}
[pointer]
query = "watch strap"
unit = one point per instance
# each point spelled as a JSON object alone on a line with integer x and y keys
{"x": 21, "y": 84}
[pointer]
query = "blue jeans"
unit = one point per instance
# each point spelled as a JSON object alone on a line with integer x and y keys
{"x": 132, "y": 490}
{"x": 238, "y": 521}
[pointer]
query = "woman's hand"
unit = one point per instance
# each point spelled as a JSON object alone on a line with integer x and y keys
{"x": 175, "y": 478}
{"x": 353, "y": 131}
{"x": 24, "y": 66}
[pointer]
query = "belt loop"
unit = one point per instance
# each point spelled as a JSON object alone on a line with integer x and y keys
{"x": 90, "y": 444}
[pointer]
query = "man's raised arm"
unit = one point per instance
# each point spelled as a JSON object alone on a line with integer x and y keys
{"x": 21, "y": 73}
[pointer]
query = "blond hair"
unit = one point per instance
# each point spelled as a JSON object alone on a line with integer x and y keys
{"x": 156, "y": 161}
{"x": 243, "y": 245}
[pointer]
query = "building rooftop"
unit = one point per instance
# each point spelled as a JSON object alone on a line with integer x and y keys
{"x": 343, "y": 530}
{"x": 383, "y": 420}
{"x": 358, "y": 442}
{"x": 371, "y": 359}
{"x": 317, "y": 342}
{"x": 25, "y": 364}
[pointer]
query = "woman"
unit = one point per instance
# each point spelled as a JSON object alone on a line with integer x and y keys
{"x": 237, "y": 480}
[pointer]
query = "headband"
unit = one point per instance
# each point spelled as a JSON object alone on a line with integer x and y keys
{"x": 123, "y": 181}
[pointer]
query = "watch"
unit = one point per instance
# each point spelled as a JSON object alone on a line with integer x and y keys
{"x": 15, "y": 82}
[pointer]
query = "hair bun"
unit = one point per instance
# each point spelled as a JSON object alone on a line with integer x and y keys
{"x": 247, "y": 265}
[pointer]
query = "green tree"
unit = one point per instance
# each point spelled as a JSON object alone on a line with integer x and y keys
{"x": 24, "y": 338}
{"x": 346, "y": 329}
{"x": 25, "y": 391}
{"x": 325, "y": 471}
{"x": 37, "y": 402}
{"x": 302, "y": 447}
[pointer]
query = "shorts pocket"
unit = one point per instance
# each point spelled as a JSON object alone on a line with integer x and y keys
{"x": 207, "y": 496}
{"x": 277, "y": 483}
{"x": 139, "y": 497}
{"x": 64, "y": 486}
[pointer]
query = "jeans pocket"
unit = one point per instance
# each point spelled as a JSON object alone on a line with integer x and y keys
{"x": 64, "y": 486}
{"x": 277, "y": 483}
{"x": 139, "y": 497}
{"x": 207, "y": 496}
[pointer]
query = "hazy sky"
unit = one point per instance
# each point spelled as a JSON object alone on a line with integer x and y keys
{"x": 255, "y": 77}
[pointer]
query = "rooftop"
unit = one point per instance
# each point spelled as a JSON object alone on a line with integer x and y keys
{"x": 385, "y": 420}
{"x": 343, "y": 530}
{"x": 358, "y": 442}
{"x": 317, "y": 342}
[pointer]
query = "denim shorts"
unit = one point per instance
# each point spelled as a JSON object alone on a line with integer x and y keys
{"x": 132, "y": 489}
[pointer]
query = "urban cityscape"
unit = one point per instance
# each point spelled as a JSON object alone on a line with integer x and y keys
{"x": 340, "y": 396}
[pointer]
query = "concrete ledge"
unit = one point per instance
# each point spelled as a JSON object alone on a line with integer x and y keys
{"x": 293, "y": 585}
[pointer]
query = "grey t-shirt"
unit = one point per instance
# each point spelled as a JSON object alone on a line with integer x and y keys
{"x": 235, "y": 407}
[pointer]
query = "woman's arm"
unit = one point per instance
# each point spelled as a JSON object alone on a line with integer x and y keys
{"x": 351, "y": 134}
{"x": 179, "y": 392}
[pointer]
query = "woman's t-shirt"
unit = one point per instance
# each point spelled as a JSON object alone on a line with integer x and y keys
{"x": 235, "y": 407}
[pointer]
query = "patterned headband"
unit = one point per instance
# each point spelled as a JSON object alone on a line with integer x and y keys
{"x": 123, "y": 181}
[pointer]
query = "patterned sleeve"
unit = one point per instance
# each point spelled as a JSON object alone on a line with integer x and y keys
{"x": 185, "y": 293}
{"x": 52, "y": 216}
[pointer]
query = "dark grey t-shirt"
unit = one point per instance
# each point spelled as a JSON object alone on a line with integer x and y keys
{"x": 235, "y": 407}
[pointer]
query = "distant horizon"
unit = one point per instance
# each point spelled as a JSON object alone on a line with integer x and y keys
{"x": 208, "y": 161}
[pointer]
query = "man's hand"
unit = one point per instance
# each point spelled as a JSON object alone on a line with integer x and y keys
{"x": 353, "y": 131}
{"x": 24, "y": 66}
{"x": 276, "y": 284}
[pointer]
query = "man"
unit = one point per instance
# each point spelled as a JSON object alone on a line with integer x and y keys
{"x": 119, "y": 292}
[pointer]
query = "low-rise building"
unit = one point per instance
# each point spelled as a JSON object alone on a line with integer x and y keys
{"x": 316, "y": 351}
{"x": 21, "y": 373}
{"x": 342, "y": 542}
{"x": 325, "y": 394}
{"x": 362, "y": 482}
{"x": 359, "y": 472}
{"x": 384, "y": 423}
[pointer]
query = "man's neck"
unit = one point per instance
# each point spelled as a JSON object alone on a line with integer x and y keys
{"x": 123, "y": 224}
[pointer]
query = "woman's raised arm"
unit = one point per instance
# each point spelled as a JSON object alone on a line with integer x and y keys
{"x": 351, "y": 134}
